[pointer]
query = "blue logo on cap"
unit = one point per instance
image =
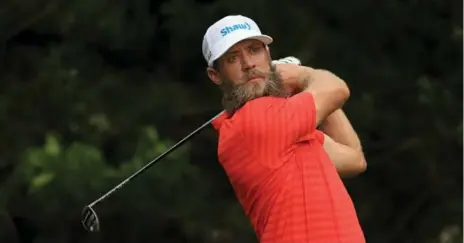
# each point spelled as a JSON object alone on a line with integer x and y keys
{"x": 229, "y": 29}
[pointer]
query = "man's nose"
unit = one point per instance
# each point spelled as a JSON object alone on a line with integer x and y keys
{"x": 247, "y": 63}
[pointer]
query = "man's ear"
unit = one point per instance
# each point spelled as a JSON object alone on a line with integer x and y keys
{"x": 213, "y": 74}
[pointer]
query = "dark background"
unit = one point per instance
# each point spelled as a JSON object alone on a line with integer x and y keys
{"x": 91, "y": 90}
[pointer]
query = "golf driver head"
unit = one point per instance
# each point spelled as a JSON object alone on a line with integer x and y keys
{"x": 90, "y": 219}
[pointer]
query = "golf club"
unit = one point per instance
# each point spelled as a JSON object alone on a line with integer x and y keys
{"x": 89, "y": 217}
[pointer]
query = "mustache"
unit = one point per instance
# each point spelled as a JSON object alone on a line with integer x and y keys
{"x": 254, "y": 73}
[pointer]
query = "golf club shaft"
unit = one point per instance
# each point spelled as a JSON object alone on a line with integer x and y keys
{"x": 154, "y": 161}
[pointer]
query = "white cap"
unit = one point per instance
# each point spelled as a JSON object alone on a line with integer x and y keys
{"x": 228, "y": 31}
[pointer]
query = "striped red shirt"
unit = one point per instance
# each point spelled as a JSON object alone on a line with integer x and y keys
{"x": 285, "y": 181}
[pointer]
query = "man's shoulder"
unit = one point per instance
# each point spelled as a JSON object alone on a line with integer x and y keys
{"x": 253, "y": 112}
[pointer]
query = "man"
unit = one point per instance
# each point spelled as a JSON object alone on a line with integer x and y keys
{"x": 285, "y": 173}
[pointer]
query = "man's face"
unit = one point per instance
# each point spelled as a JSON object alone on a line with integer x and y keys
{"x": 244, "y": 73}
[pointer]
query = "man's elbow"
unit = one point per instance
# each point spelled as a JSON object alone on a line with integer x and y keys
{"x": 356, "y": 166}
{"x": 362, "y": 164}
{"x": 343, "y": 89}
{"x": 359, "y": 164}
{"x": 340, "y": 90}
{"x": 342, "y": 93}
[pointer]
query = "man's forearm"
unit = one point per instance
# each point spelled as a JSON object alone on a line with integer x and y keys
{"x": 328, "y": 90}
{"x": 339, "y": 128}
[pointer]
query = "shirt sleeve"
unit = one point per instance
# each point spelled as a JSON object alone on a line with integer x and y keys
{"x": 273, "y": 126}
{"x": 217, "y": 123}
{"x": 319, "y": 136}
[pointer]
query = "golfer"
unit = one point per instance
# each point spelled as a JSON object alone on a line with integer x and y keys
{"x": 285, "y": 172}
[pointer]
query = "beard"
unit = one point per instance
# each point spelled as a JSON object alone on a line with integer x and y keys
{"x": 236, "y": 95}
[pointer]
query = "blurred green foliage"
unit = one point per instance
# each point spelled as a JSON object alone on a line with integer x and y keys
{"x": 91, "y": 91}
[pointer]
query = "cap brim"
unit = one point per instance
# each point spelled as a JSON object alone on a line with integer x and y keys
{"x": 228, "y": 43}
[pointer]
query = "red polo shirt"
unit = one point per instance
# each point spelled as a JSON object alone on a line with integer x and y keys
{"x": 285, "y": 181}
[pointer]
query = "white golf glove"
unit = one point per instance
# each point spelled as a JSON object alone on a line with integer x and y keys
{"x": 287, "y": 60}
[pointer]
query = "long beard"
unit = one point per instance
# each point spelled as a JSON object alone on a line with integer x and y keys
{"x": 236, "y": 95}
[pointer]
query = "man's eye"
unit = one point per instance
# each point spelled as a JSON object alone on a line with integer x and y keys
{"x": 255, "y": 49}
{"x": 232, "y": 58}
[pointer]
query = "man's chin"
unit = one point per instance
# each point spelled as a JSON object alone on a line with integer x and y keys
{"x": 256, "y": 88}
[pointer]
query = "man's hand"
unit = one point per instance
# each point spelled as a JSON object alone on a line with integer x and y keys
{"x": 328, "y": 90}
{"x": 294, "y": 77}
